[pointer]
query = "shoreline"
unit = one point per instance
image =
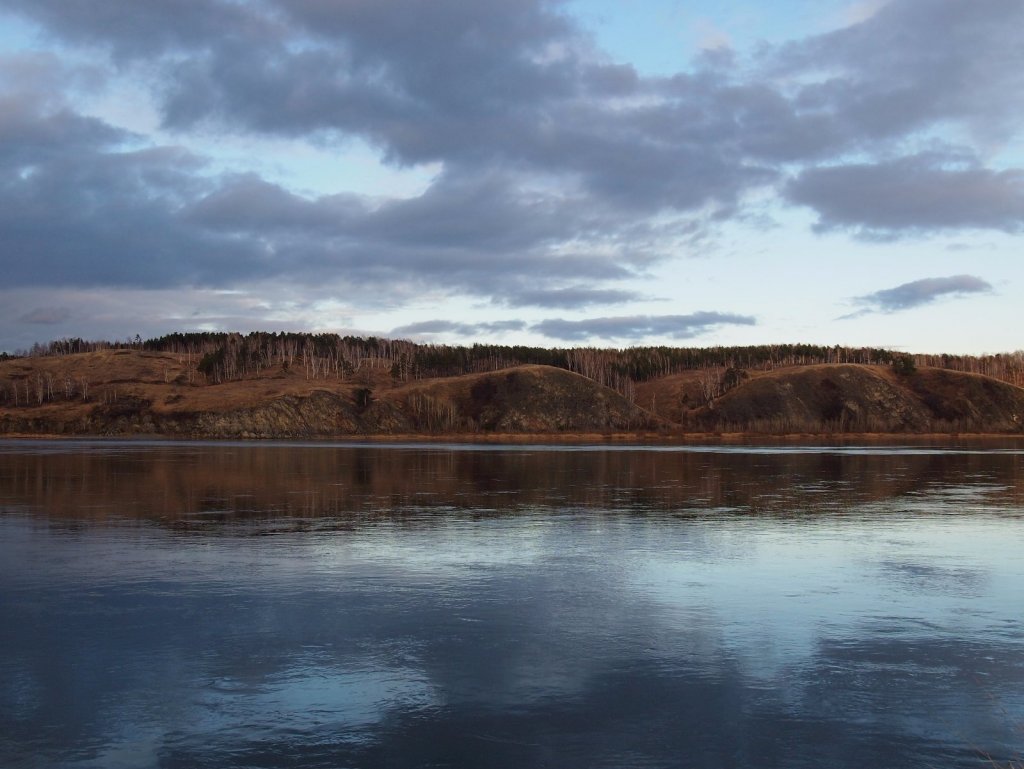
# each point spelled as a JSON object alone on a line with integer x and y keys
{"x": 514, "y": 439}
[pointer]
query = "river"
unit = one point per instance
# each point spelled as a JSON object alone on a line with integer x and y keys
{"x": 343, "y": 605}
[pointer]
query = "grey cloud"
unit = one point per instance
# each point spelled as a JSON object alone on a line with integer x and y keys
{"x": 472, "y": 84}
{"x": 422, "y": 76}
{"x": 921, "y": 292}
{"x": 504, "y": 325}
{"x": 433, "y": 327}
{"x": 142, "y": 30}
{"x": 518, "y": 81}
{"x": 28, "y": 137}
{"x": 671, "y": 155}
{"x": 85, "y": 205}
{"x": 421, "y": 81}
{"x": 249, "y": 204}
{"x": 47, "y": 316}
{"x": 917, "y": 193}
{"x": 550, "y": 153}
{"x": 479, "y": 234}
{"x": 79, "y": 208}
{"x": 639, "y": 326}
{"x": 46, "y": 77}
{"x": 488, "y": 212}
{"x": 106, "y": 313}
{"x": 571, "y": 297}
{"x": 36, "y": 123}
{"x": 912, "y": 64}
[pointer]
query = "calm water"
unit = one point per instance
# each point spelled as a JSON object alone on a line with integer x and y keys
{"x": 232, "y": 605}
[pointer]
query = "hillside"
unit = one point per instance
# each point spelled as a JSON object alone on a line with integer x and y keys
{"x": 135, "y": 392}
{"x": 868, "y": 399}
{"x": 127, "y": 392}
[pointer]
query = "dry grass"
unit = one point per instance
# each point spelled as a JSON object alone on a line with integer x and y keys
{"x": 791, "y": 402}
{"x": 164, "y": 380}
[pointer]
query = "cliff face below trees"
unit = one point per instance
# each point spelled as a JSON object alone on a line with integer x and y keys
{"x": 866, "y": 399}
{"x": 131, "y": 392}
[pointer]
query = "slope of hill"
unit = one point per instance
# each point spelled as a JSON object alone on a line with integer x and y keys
{"x": 870, "y": 399}
{"x": 124, "y": 392}
{"x": 132, "y": 392}
{"x": 532, "y": 399}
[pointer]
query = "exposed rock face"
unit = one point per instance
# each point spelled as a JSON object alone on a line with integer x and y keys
{"x": 320, "y": 414}
{"x": 528, "y": 399}
{"x": 969, "y": 402}
{"x": 851, "y": 398}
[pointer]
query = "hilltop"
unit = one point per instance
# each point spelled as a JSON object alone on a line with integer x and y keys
{"x": 143, "y": 392}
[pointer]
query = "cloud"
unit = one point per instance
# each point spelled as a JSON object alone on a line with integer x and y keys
{"x": 492, "y": 83}
{"x": 36, "y": 122}
{"x": 911, "y": 194}
{"x": 912, "y": 65}
{"x": 472, "y": 84}
{"x": 84, "y": 207}
{"x": 79, "y": 214}
{"x": 917, "y": 293}
{"x": 488, "y": 87}
{"x": 248, "y": 204}
{"x": 143, "y": 30}
{"x": 561, "y": 174}
{"x": 436, "y": 327}
{"x": 47, "y": 316}
{"x": 639, "y": 326}
{"x": 571, "y": 297}
{"x": 105, "y": 313}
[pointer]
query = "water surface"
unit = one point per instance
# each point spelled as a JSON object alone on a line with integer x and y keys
{"x": 253, "y": 605}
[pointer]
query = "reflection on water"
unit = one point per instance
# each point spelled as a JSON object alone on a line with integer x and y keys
{"x": 275, "y": 606}
{"x": 211, "y": 483}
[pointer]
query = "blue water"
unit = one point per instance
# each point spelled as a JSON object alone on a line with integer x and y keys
{"x": 254, "y": 605}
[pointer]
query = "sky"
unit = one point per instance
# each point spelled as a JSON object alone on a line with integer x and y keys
{"x": 543, "y": 172}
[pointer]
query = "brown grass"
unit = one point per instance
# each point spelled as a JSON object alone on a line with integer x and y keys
{"x": 940, "y": 402}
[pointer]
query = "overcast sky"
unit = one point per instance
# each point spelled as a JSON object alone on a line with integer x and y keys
{"x": 516, "y": 171}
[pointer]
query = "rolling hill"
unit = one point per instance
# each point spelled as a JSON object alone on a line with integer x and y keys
{"x": 132, "y": 392}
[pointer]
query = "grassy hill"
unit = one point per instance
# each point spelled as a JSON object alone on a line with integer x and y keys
{"x": 136, "y": 392}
